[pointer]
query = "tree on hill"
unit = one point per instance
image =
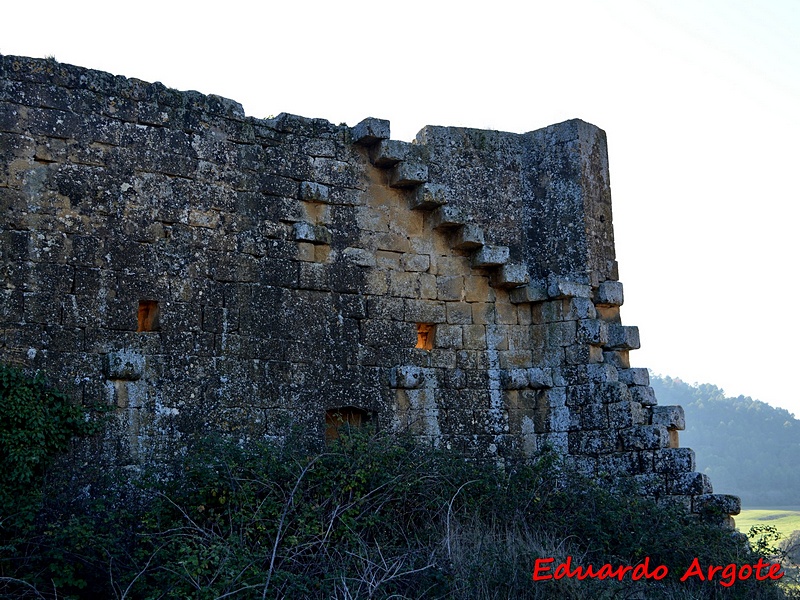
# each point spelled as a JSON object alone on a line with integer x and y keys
{"x": 746, "y": 446}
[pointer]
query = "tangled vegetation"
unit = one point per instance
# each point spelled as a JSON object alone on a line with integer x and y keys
{"x": 371, "y": 516}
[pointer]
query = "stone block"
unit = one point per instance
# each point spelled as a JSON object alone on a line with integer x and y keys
{"x": 449, "y": 336}
{"x": 723, "y": 504}
{"x": 595, "y": 393}
{"x": 582, "y": 354}
{"x": 645, "y": 437}
{"x": 449, "y": 288}
{"x": 311, "y": 191}
{"x": 622, "y": 337}
{"x": 530, "y": 293}
{"x": 609, "y": 293}
{"x": 370, "y": 131}
{"x": 407, "y": 377}
{"x": 446, "y": 217}
{"x": 511, "y": 276}
{"x": 573, "y": 309}
{"x": 476, "y": 289}
{"x": 601, "y": 373}
{"x": 635, "y": 376}
{"x": 425, "y": 311}
{"x": 415, "y": 262}
{"x": 514, "y": 379}
{"x": 594, "y": 416}
{"x": 387, "y": 153}
{"x": 314, "y": 234}
{"x": 690, "y": 484}
{"x": 475, "y": 337}
{"x": 408, "y": 174}
{"x": 428, "y": 196}
{"x": 564, "y": 288}
{"x": 592, "y": 331}
{"x": 626, "y": 414}
{"x": 540, "y": 378}
{"x": 467, "y": 237}
{"x": 593, "y": 443}
{"x": 459, "y": 313}
{"x": 360, "y": 257}
{"x": 671, "y": 417}
{"x": 490, "y": 256}
{"x": 674, "y": 460}
{"x": 618, "y": 358}
{"x": 483, "y": 313}
{"x": 124, "y": 364}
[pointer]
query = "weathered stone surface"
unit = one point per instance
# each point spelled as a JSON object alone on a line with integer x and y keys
{"x": 160, "y": 247}
{"x": 447, "y": 216}
{"x": 408, "y": 174}
{"x": 511, "y": 276}
{"x": 467, "y": 237}
{"x": 722, "y": 503}
{"x": 529, "y": 293}
{"x": 387, "y": 153}
{"x": 671, "y": 417}
{"x": 370, "y": 131}
{"x": 635, "y": 376}
{"x": 609, "y": 293}
{"x": 428, "y": 196}
{"x": 623, "y": 337}
{"x": 490, "y": 256}
{"x": 125, "y": 365}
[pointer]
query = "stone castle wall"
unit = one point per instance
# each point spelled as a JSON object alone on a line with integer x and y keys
{"x": 198, "y": 269}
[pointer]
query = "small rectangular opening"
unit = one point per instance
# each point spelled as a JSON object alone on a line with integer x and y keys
{"x": 148, "y": 315}
{"x": 344, "y": 419}
{"x": 425, "y": 333}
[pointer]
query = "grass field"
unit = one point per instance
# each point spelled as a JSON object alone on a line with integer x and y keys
{"x": 785, "y": 521}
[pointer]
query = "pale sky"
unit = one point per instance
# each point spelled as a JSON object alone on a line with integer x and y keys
{"x": 699, "y": 99}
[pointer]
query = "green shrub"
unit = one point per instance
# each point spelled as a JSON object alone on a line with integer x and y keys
{"x": 372, "y": 516}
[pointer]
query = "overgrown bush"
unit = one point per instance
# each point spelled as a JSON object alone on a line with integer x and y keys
{"x": 373, "y": 516}
{"x": 37, "y": 423}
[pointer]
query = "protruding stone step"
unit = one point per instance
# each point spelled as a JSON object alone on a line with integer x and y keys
{"x": 387, "y": 153}
{"x": 490, "y": 256}
{"x": 623, "y": 337}
{"x": 532, "y": 292}
{"x": 609, "y": 293}
{"x": 428, "y": 196}
{"x": 447, "y": 216}
{"x": 564, "y": 288}
{"x": 308, "y": 232}
{"x": 408, "y": 174}
{"x": 671, "y": 417}
{"x": 467, "y": 237}
{"x": 719, "y": 503}
{"x": 511, "y": 276}
{"x": 370, "y": 131}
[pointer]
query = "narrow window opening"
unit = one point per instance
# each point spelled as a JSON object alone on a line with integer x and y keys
{"x": 425, "y": 333}
{"x": 343, "y": 419}
{"x": 148, "y": 315}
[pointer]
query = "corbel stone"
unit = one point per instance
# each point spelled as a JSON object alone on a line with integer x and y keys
{"x": 671, "y": 417}
{"x": 490, "y": 256}
{"x": 370, "y": 131}
{"x": 408, "y": 174}
{"x": 124, "y": 364}
{"x": 609, "y": 293}
{"x": 308, "y": 232}
{"x": 428, "y": 196}
{"x": 622, "y": 337}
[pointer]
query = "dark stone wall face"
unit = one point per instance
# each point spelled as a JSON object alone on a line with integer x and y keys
{"x": 199, "y": 269}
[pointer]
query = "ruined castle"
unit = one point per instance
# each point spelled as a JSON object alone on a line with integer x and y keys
{"x": 197, "y": 269}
